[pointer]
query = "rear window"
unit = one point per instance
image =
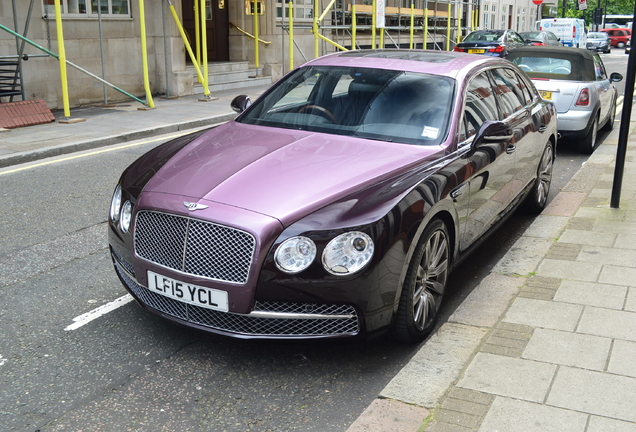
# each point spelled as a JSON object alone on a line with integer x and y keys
{"x": 571, "y": 68}
{"x": 479, "y": 36}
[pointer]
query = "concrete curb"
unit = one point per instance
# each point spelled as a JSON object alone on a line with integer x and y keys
{"x": 89, "y": 144}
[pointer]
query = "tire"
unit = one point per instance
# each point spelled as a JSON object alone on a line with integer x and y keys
{"x": 537, "y": 198}
{"x": 424, "y": 285}
{"x": 588, "y": 143}
{"x": 609, "y": 124}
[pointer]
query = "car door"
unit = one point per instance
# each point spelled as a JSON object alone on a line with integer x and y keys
{"x": 603, "y": 87}
{"x": 484, "y": 195}
{"x": 521, "y": 110}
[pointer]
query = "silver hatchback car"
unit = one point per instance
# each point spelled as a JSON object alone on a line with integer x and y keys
{"x": 577, "y": 82}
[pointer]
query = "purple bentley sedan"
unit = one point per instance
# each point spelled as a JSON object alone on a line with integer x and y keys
{"x": 338, "y": 202}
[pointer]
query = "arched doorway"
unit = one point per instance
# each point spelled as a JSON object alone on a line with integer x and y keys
{"x": 217, "y": 27}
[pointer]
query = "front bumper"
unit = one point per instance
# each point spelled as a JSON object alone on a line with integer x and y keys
{"x": 267, "y": 320}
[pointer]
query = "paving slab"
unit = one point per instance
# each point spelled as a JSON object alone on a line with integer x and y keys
{"x": 544, "y": 314}
{"x": 488, "y": 301}
{"x": 389, "y": 416}
{"x": 617, "y": 275}
{"x": 509, "y": 415}
{"x": 524, "y": 257}
{"x": 608, "y": 323}
{"x": 581, "y": 271}
{"x": 622, "y": 358}
{"x": 592, "y": 294}
{"x": 604, "y": 424}
{"x": 568, "y": 349}
{"x": 593, "y": 392}
{"x": 507, "y": 376}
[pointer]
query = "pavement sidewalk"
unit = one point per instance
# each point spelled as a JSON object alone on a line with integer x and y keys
{"x": 546, "y": 342}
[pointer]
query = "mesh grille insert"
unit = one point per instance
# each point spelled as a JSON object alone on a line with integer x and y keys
{"x": 194, "y": 246}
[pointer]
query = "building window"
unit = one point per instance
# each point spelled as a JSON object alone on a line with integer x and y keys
{"x": 303, "y": 10}
{"x": 88, "y": 8}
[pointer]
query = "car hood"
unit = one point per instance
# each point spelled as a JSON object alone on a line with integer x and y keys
{"x": 285, "y": 174}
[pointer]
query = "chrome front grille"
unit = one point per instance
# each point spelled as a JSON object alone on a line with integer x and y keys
{"x": 324, "y": 320}
{"x": 194, "y": 246}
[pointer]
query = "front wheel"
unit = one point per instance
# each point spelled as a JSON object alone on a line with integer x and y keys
{"x": 424, "y": 285}
{"x": 537, "y": 199}
{"x": 588, "y": 143}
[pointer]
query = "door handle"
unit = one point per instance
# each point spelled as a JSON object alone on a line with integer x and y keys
{"x": 511, "y": 148}
{"x": 543, "y": 128}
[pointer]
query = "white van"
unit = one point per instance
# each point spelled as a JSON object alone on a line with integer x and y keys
{"x": 570, "y": 31}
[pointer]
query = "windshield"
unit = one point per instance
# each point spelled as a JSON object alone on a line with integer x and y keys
{"x": 386, "y": 105}
{"x": 485, "y": 36}
{"x": 530, "y": 35}
{"x": 596, "y": 36}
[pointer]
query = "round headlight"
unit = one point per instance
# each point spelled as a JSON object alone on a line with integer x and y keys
{"x": 348, "y": 253}
{"x": 126, "y": 216}
{"x": 295, "y": 254}
{"x": 115, "y": 204}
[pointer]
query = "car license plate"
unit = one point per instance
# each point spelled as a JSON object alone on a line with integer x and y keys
{"x": 192, "y": 294}
{"x": 547, "y": 95}
{"x": 476, "y": 51}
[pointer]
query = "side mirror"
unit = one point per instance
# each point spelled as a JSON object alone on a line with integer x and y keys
{"x": 493, "y": 131}
{"x": 616, "y": 77}
{"x": 242, "y": 102}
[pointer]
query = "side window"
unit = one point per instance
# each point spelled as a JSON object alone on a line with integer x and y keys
{"x": 481, "y": 105}
{"x": 510, "y": 94}
{"x": 599, "y": 68}
{"x": 528, "y": 92}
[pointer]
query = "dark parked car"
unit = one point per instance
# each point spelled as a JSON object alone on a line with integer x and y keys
{"x": 540, "y": 38}
{"x": 494, "y": 43}
{"x": 619, "y": 37}
{"x": 599, "y": 41}
{"x": 628, "y": 46}
{"x": 577, "y": 82}
{"x": 337, "y": 204}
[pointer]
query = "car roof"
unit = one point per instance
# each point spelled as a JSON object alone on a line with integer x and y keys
{"x": 446, "y": 63}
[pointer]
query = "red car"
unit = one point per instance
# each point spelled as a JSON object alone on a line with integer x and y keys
{"x": 619, "y": 37}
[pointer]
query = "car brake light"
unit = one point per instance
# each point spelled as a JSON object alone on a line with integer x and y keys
{"x": 458, "y": 49}
{"x": 584, "y": 98}
{"x": 573, "y": 32}
{"x": 499, "y": 49}
{"x": 538, "y": 44}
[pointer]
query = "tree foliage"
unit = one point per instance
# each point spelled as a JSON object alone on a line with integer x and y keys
{"x": 618, "y": 7}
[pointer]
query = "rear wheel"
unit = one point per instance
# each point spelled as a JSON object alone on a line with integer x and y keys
{"x": 609, "y": 125}
{"x": 588, "y": 143}
{"x": 537, "y": 199}
{"x": 424, "y": 285}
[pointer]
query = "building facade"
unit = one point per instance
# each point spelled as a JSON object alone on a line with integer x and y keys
{"x": 104, "y": 37}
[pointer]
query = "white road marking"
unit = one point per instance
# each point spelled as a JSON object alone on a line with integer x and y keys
{"x": 96, "y": 313}
{"x": 2, "y": 360}
{"x": 619, "y": 105}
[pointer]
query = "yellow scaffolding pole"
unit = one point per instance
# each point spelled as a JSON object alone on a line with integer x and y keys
{"x": 195, "y": 62}
{"x": 425, "y": 25}
{"x": 256, "y": 57}
{"x": 459, "y": 24}
{"x": 204, "y": 48}
{"x": 448, "y": 28}
{"x": 315, "y": 30}
{"x": 144, "y": 54}
{"x": 373, "y": 23}
{"x": 62, "y": 50}
{"x": 412, "y": 26}
{"x": 354, "y": 24}
{"x": 197, "y": 35}
{"x": 291, "y": 35}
